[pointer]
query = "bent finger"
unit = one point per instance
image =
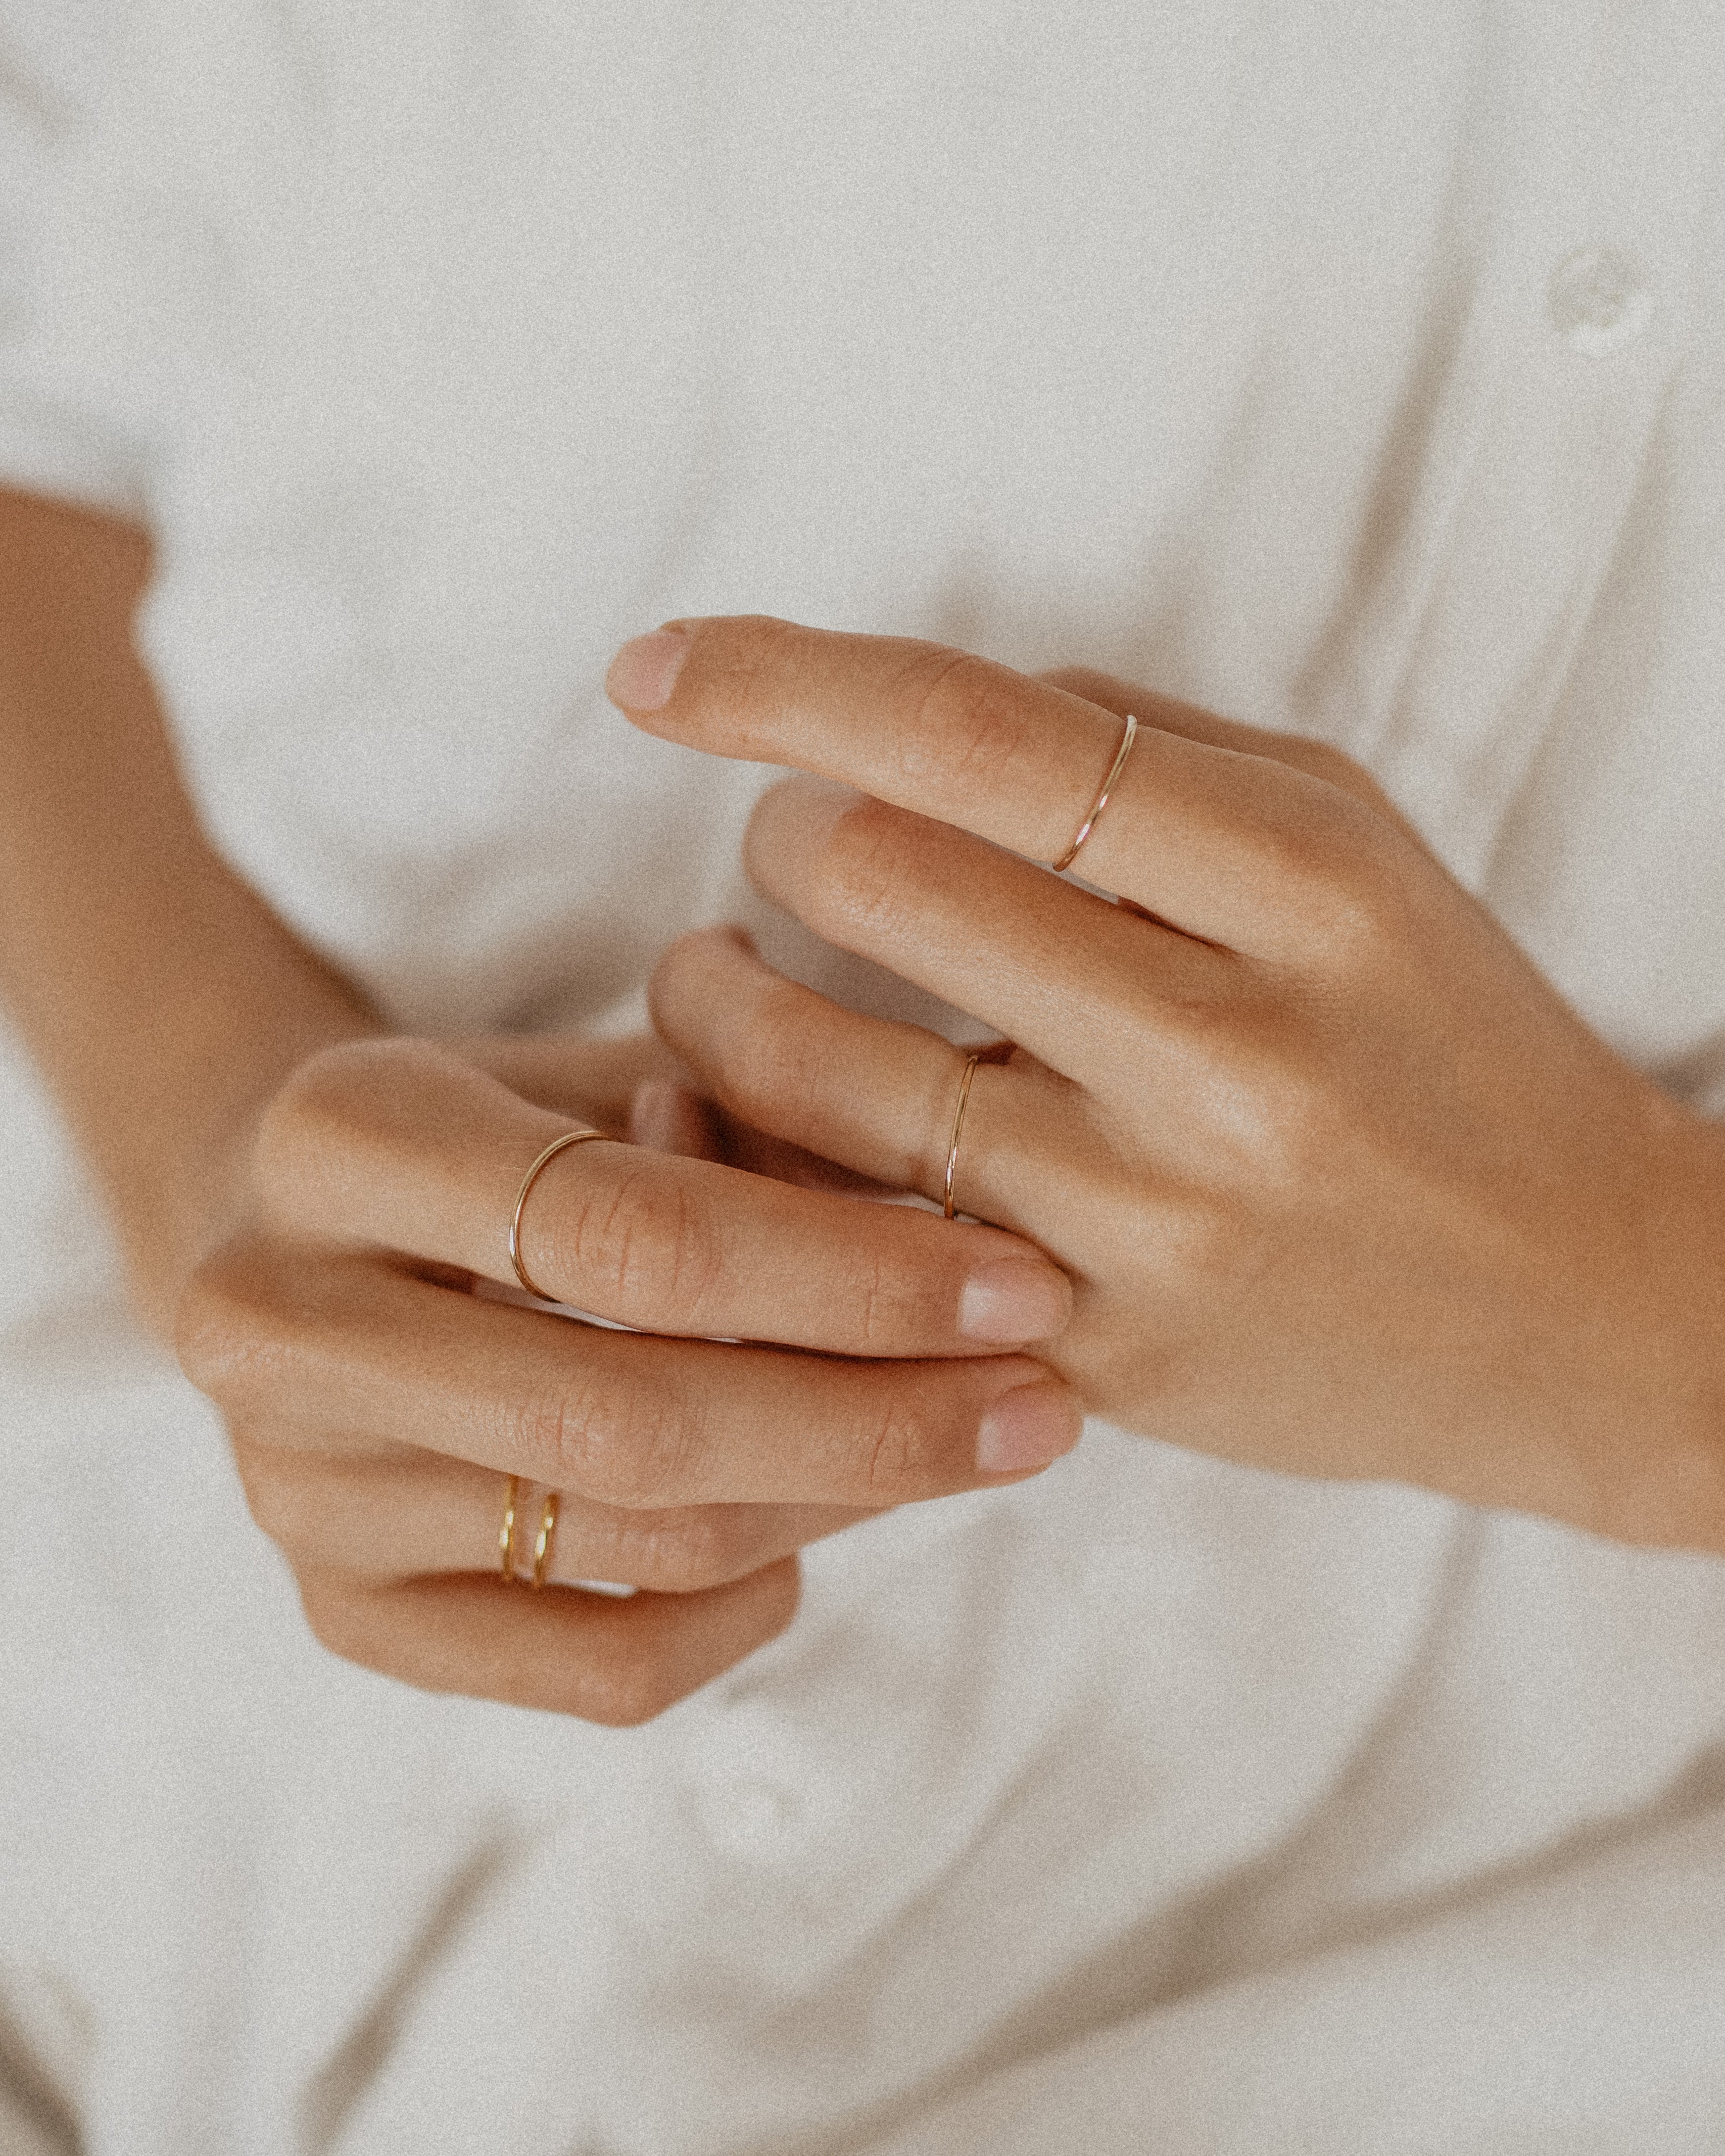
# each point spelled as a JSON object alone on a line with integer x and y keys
{"x": 1317, "y": 759}
{"x": 395, "y": 1517}
{"x": 1235, "y": 847}
{"x": 396, "y": 1145}
{"x": 357, "y": 1357}
{"x": 1078, "y": 982}
{"x": 877, "y": 1094}
{"x": 601, "y": 1659}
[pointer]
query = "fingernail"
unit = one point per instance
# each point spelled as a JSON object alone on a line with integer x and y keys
{"x": 645, "y": 672}
{"x": 1013, "y": 1299}
{"x": 1026, "y": 1427}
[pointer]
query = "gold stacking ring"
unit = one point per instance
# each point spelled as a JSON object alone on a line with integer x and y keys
{"x": 947, "y": 1207}
{"x": 556, "y": 1145}
{"x": 1101, "y": 802}
{"x": 542, "y": 1546}
{"x": 506, "y": 1533}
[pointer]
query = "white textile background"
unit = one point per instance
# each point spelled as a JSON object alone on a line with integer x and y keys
{"x": 1355, "y": 371}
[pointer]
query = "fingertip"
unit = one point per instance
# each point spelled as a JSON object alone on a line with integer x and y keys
{"x": 1011, "y": 1300}
{"x": 1028, "y": 1428}
{"x": 645, "y": 671}
{"x": 790, "y": 826}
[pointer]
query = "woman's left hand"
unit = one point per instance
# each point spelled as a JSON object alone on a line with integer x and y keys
{"x": 1344, "y": 1186}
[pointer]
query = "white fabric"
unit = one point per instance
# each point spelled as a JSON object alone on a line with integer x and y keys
{"x": 1356, "y": 370}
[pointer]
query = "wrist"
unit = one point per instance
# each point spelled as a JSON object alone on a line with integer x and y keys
{"x": 1669, "y": 1487}
{"x": 169, "y": 1136}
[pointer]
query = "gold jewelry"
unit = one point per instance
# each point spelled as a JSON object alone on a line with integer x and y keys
{"x": 1101, "y": 802}
{"x": 556, "y": 1145}
{"x": 506, "y": 1533}
{"x": 947, "y": 1208}
{"x": 548, "y": 1528}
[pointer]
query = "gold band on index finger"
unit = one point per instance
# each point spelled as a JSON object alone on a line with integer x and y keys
{"x": 568, "y": 1138}
{"x": 947, "y": 1208}
{"x": 1103, "y": 791}
{"x": 1198, "y": 838}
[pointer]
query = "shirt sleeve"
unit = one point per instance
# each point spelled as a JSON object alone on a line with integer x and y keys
{"x": 65, "y": 430}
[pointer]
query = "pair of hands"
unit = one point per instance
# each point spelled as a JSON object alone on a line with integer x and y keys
{"x": 1295, "y": 1159}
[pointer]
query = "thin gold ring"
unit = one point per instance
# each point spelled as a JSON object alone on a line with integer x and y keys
{"x": 947, "y": 1208}
{"x": 506, "y": 1533}
{"x": 556, "y": 1145}
{"x": 1101, "y": 802}
{"x": 541, "y": 1548}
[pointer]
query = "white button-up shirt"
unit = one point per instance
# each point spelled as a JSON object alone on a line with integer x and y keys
{"x": 1355, "y": 370}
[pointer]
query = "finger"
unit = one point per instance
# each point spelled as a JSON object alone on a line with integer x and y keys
{"x": 775, "y": 1052}
{"x": 668, "y": 1117}
{"x": 399, "y": 1516}
{"x": 763, "y": 1153}
{"x": 1237, "y": 848}
{"x": 582, "y": 1079}
{"x": 1068, "y": 976}
{"x": 350, "y": 1355}
{"x": 1317, "y": 759}
{"x": 664, "y": 1117}
{"x": 619, "y": 1662}
{"x": 399, "y": 1145}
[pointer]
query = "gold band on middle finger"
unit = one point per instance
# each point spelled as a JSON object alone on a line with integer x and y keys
{"x": 506, "y": 1533}
{"x": 547, "y": 1529}
{"x": 947, "y": 1208}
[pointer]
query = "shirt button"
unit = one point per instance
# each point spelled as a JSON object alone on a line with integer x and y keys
{"x": 1599, "y": 299}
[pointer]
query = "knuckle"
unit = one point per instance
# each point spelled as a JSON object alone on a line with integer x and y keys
{"x": 1336, "y": 767}
{"x": 1345, "y": 872}
{"x": 623, "y": 1693}
{"x": 337, "y": 1099}
{"x": 1372, "y": 909}
{"x": 1296, "y": 1144}
{"x": 228, "y": 1328}
{"x": 900, "y": 1448}
{"x": 1095, "y": 687}
{"x": 682, "y": 1553}
{"x": 858, "y": 887}
{"x": 626, "y": 1445}
{"x": 643, "y": 1245}
{"x": 966, "y": 715}
{"x": 279, "y": 1495}
{"x": 1292, "y": 1131}
{"x": 773, "y": 1064}
{"x": 881, "y": 1309}
{"x": 674, "y": 988}
{"x": 342, "y": 1619}
{"x": 314, "y": 1104}
{"x": 1322, "y": 759}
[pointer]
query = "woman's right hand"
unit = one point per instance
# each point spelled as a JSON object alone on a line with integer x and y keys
{"x": 798, "y": 1360}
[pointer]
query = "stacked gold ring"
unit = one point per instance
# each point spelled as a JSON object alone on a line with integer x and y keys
{"x": 542, "y": 1541}
{"x": 548, "y": 1511}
